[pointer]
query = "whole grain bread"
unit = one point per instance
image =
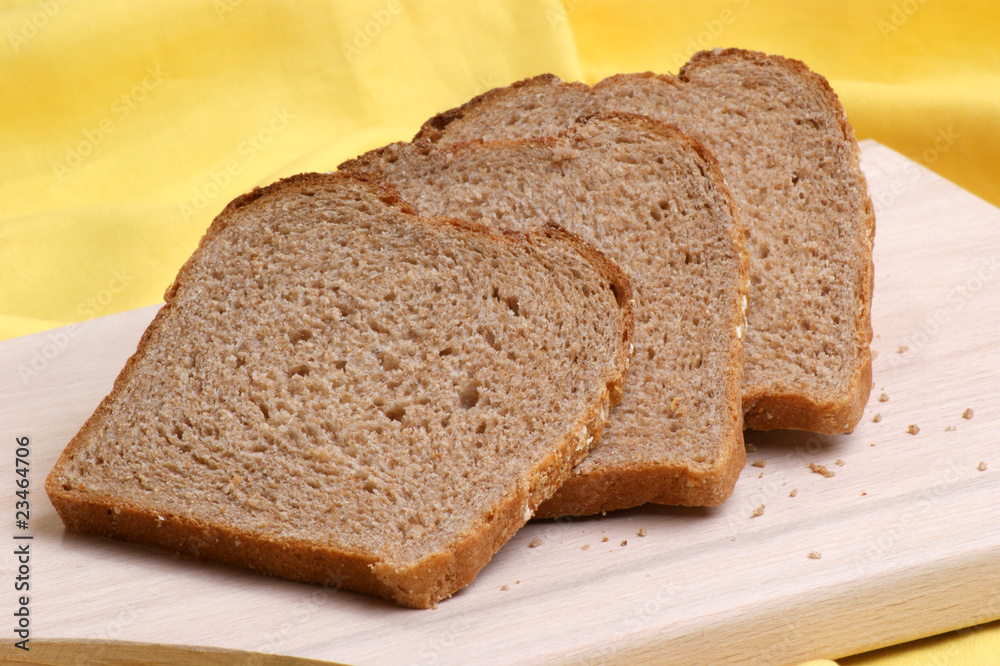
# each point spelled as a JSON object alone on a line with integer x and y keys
{"x": 340, "y": 391}
{"x": 655, "y": 201}
{"x": 790, "y": 157}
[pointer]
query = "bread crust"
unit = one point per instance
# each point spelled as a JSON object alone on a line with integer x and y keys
{"x": 766, "y": 406}
{"x": 419, "y": 584}
{"x": 434, "y": 128}
{"x": 607, "y": 486}
{"x": 621, "y": 487}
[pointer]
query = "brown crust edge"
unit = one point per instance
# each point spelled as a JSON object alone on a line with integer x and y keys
{"x": 477, "y": 547}
{"x": 611, "y": 489}
{"x": 769, "y": 410}
{"x": 765, "y": 409}
{"x": 433, "y": 129}
{"x": 302, "y": 560}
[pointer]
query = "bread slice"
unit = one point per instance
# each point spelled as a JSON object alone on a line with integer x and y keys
{"x": 342, "y": 392}
{"x": 655, "y": 201}
{"x": 790, "y": 157}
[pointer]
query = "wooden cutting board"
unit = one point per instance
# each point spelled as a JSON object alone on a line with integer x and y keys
{"x": 903, "y": 542}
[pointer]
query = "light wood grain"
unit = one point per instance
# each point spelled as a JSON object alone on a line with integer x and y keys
{"x": 908, "y": 529}
{"x": 123, "y": 653}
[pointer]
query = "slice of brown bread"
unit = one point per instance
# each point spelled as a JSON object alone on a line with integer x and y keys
{"x": 655, "y": 201}
{"x": 342, "y": 392}
{"x": 790, "y": 157}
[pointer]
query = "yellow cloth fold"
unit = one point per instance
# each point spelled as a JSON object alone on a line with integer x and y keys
{"x": 126, "y": 127}
{"x": 920, "y": 77}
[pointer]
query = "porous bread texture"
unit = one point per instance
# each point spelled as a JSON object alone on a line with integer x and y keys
{"x": 790, "y": 157}
{"x": 654, "y": 200}
{"x": 340, "y": 391}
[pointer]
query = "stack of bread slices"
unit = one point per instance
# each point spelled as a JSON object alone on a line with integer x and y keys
{"x": 557, "y": 300}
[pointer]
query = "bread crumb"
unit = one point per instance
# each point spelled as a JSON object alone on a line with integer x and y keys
{"x": 876, "y": 418}
{"x": 758, "y": 511}
{"x": 967, "y": 414}
{"x": 950, "y": 429}
{"x": 604, "y": 540}
{"x": 912, "y": 429}
{"x": 838, "y": 462}
{"x": 795, "y": 491}
{"x": 815, "y": 555}
{"x": 982, "y": 467}
{"x": 585, "y": 546}
{"x": 820, "y": 469}
{"x": 535, "y": 543}
{"x": 902, "y": 349}
{"x": 760, "y": 462}
{"x": 761, "y": 475}
{"x": 750, "y": 447}
{"x": 863, "y": 493}
{"x": 504, "y": 588}
{"x": 642, "y": 531}
{"x": 884, "y": 397}
{"x": 625, "y": 543}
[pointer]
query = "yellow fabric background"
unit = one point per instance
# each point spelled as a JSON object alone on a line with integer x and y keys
{"x": 125, "y": 127}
